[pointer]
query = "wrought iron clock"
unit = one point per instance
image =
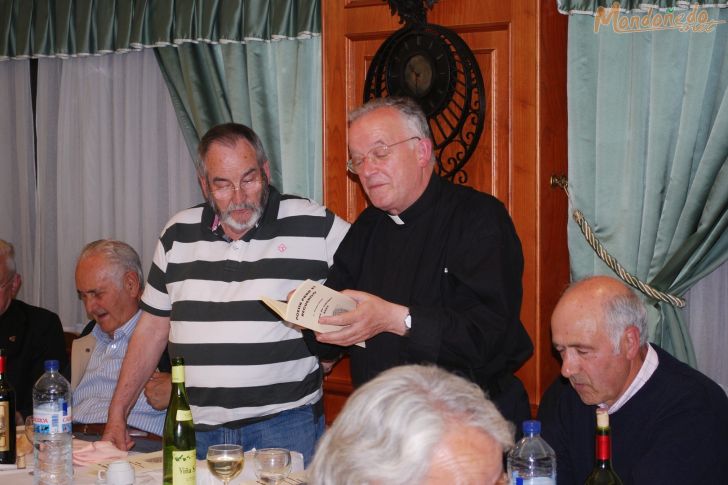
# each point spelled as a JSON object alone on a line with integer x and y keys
{"x": 435, "y": 67}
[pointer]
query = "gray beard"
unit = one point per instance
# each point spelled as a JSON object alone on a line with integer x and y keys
{"x": 256, "y": 209}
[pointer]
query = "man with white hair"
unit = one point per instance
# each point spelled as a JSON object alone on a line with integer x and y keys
{"x": 435, "y": 267}
{"x": 414, "y": 424}
{"x": 30, "y": 335}
{"x": 109, "y": 282}
{"x": 668, "y": 421}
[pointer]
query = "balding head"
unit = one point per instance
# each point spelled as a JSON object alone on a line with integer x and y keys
{"x": 610, "y": 302}
{"x": 599, "y": 329}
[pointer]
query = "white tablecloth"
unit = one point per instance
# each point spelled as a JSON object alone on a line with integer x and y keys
{"x": 87, "y": 475}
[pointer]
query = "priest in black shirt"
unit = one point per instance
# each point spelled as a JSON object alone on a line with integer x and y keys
{"x": 434, "y": 267}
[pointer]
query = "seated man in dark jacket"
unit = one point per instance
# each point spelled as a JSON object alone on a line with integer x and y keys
{"x": 668, "y": 420}
{"x": 30, "y": 335}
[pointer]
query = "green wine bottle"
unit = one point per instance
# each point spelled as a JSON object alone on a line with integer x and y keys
{"x": 7, "y": 416}
{"x": 602, "y": 473}
{"x": 180, "y": 462}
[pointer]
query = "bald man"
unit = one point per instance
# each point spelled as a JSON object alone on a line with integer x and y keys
{"x": 669, "y": 421}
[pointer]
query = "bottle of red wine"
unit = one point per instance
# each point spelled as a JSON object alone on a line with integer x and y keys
{"x": 602, "y": 473}
{"x": 7, "y": 416}
{"x": 179, "y": 460}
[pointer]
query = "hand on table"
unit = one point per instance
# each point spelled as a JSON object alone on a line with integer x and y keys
{"x": 118, "y": 434}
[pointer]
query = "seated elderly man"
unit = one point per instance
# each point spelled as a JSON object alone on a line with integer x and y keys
{"x": 668, "y": 421}
{"x": 414, "y": 424}
{"x": 30, "y": 335}
{"x": 109, "y": 281}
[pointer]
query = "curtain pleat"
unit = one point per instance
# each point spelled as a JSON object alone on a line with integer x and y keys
{"x": 71, "y": 28}
{"x": 648, "y": 117}
{"x": 275, "y": 88}
{"x": 590, "y": 7}
{"x": 112, "y": 163}
{"x": 17, "y": 182}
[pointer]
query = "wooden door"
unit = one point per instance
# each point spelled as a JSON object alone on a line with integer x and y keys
{"x": 520, "y": 46}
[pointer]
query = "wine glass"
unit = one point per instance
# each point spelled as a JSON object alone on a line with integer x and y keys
{"x": 28, "y": 428}
{"x": 272, "y": 465}
{"x": 225, "y": 461}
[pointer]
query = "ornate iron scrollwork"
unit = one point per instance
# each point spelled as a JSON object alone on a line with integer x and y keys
{"x": 433, "y": 65}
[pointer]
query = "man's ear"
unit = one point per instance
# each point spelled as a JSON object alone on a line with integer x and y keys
{"x": 631, "y": 342}
{"x": 266, "y": 169}
{"x": 424, "y": 151}
{"x": 16, "y": 284}
{"x": 203, "y": 186}
{"x": 132, "y": 285}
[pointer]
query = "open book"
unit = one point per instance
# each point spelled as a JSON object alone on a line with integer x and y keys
{"x": 310, "y": 301}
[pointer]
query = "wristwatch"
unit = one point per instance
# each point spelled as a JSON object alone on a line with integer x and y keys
{"x": 408, "y": 323}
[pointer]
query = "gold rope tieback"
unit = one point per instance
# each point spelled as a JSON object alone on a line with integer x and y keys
{"x": 608, "y": 259}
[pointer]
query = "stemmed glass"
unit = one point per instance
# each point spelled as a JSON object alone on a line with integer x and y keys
{"x": 21, "y": 447}
{"x": 29, "y": 428}
{"x": 225, "y": 461}
{"x": 272, "y": 465}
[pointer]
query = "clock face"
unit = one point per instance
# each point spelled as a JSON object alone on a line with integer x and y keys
{"x": 419, "y": 66}
{"x": 434, "y": 66}
{"x": 418, "y": 75}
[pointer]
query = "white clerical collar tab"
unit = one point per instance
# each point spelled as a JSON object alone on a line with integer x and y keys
{"x": 396, "y": 220}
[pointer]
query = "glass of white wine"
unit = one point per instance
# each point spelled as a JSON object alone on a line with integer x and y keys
{"x": 272, "y": 465}
{"x": 28, "y": 428}
{"x": 225, "y": 461}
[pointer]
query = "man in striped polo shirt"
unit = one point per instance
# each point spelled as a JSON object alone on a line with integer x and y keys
{"x": 250, "y": 377}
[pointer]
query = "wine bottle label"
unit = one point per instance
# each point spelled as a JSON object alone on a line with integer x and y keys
{"x": 178, "y": 373}
{"x": 51, "y": 422}
{"x": 602, "y": 447}
{"x": 4, "y": 426}
{"x": 183, "y": 415}
{"x": 184, "y": 465}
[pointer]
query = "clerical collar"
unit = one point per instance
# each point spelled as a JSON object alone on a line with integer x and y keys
{"x": 423, "y": 204}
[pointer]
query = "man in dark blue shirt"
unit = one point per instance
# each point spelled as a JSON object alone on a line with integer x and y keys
{"x": 668, "y": 421}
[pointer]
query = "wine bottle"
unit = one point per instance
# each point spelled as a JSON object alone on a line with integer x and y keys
{"x": 602, "y": 473}
{"x": 179, "y": 457}
{"x": 7, "y": 416}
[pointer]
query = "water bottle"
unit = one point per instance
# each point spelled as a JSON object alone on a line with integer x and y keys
{"x": 52, "y": 417}
{"x": 532, "y": 461}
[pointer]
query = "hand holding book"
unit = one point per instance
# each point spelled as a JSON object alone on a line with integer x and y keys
{"x": 309, "y": 302}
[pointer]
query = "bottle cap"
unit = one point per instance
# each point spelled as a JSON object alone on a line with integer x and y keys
{"x": 51, "y": 365}
{"x": 602, "y": 419}
{"x": 531, "y": 427}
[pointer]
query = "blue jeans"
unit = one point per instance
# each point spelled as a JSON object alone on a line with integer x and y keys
{"x": 296, "y": 429}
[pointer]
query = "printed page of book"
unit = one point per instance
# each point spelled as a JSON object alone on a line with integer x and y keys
{"x": 309, "y": 302}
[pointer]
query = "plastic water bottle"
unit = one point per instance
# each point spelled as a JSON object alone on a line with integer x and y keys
{"x": 532, "y": 461}
{"x": 52, "y": 418}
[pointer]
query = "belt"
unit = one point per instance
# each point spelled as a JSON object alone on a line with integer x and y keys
{"x": 97, "y": 429}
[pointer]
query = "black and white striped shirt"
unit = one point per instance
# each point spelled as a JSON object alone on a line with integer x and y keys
{"x": 241, "y": 361}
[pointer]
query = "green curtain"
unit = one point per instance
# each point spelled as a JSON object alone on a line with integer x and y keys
{"x": 257, "y": 62}
{"x": 69, "y": 28}
{"x": 273, "y": 87}
{"x": 591, "y": 6}
{"x": 648, "y": 144}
